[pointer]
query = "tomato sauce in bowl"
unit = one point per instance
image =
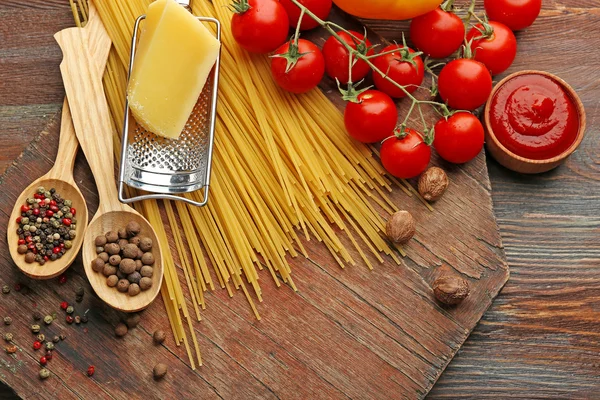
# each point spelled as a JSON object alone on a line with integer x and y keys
{"x": 534, "y": 117}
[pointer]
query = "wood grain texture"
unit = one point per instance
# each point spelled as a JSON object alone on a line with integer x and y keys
{"x": 538, "y": 341}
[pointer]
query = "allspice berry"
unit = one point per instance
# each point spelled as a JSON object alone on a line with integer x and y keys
{"x": 433, "y": 184}
{"x": 133, "y": 228}
{"x": 98, "y": 264}
{"x": 400, "y": 227}
{"x": 123, "y": 285}
{"x": 115, "y": 260}
{"x": 160, "y": 370}
{"x": 146, "y": 271}
{"x": 130, "y": 250}
{"x": 145, "y": 283}
{"x": 134, "y": 277}
{"x": 112, "y": 280}
{"x": 109, "y": 270}
{"x": 29, "y": 258}
{"x": 121, "y": 329}
{"x": 159, "y": 337}
{"x": 135, "y": 240}
{"x": 138, "y": 265}
{"x": 133, "y": 289}
{"x": 148, "y": 259}
{"x": 450, "y": 289}
{"x": 132, "y": 320}
{"x": 22, "y": 249}
{"x": 112, "y": 236}
{"x": 112, "y": 248}
{"x": 100, "y": 241}
{"x": 122, "y": 233}
{"x": 122, "y": 243}
{"x": 127, "y": 266}
{"x": 146, "y": 244}
{"x": 103, "y": 256}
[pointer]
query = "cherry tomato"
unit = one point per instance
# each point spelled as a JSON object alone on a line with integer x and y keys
{"x": 320, "y": 8}
{"x": 465, "y": 84}
{"x": 308, "y": 71}
{"x": 438, "y": 33}
{"x": 498, "y": 50}
{"x": 516, "y": 14}
{"x": 260, "y": 26}
{"x": 459, "y": 138}
{"x": 373, "y": 118}
{"x": 402, "y": 66}
{"x": 405, "y": 157}
{"x": 337, "y": 58}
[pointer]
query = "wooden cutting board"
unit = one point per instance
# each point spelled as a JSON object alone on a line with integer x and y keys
{"x": 346, "y": 333}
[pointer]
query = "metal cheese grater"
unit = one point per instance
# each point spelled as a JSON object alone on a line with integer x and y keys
{"x": 167, "y": 167}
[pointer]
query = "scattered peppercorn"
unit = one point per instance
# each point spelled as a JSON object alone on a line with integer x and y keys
{"x": 37, "y": 316}
{"x": 8, "y": 337}
{"x": 37, "y": 345}
{"x": 69, "y": 319}
{"x": 70, "y": 310}
{"x": 78, "y": 299}
{"x": 159, "y": 337}
{"x": 56, "y": 339}
{"x": 49, "y": 346}
{"x": 160, "y": 370}
{"x": 84, "y": 319}
{"x": 43, "y": 360}
{"x": 11, "y": 349}
{"x": 41, "y": 337}
{"x": 80, "y": 291}
{"x": 121, "y": 330}
{"x": 18, "y": 287}
{"x": 91, "y": 370}
{"x": 77, "y": 319}
{"x": 48, "y": 355}
{"x": 6, "y": 289}
{"x": 44, "y": 373}
{"x": 48, "y": 319}
{"x": 35, "y": 328}
{"x": 7, "y": 320}
{"x": 62, "y": 279}
{"x": 62, "y": 336}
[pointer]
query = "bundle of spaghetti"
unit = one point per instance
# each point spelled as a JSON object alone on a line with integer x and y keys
{"x": 283, "y": 165}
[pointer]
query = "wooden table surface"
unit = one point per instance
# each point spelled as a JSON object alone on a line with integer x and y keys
{"x": 540, "y": 338}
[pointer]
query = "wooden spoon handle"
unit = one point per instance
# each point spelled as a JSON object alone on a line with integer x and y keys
{"x": 99, "y": 43}
{"x": 91, "y": 117}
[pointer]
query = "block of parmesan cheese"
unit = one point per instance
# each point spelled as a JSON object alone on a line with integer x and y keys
{"x": 174, "y": 57}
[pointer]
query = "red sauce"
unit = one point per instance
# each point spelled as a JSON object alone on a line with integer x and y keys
{"x": 533, "y": 117}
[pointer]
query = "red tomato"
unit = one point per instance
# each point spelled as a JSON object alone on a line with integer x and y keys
{"x": 405, "y": 157}
{"x": 438, "y": 33}
{"x": 320, "y": 8}
{"x": 337, "y": 58}
{"x": 516, "y": 14}
{"x": 308, "y": 71}
{"x": 373, "y": 118}
{"x": 465, "y": 84}
{"x": 459, "y": 138}
{"x": 498, "y": 50}
{"x": 397, "y": 67}
{"x": 261, "y": 27}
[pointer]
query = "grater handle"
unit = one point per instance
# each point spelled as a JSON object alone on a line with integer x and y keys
{"x": 200, "y": 203}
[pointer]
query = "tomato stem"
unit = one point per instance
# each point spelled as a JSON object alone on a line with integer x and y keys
{"x": 240, "y": 6}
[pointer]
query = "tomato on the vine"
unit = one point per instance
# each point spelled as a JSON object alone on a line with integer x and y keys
{"x": 465, "y": 84}
{"x": 459, "y": 138}
{"x": 337, "y": 58}
{"x": 259, "y": 26}
{"x": 320, "y": 8}
{"x": 372, "y": 117}
{"x": 403, "y": 65}
{"x": 516, "y": 14}
{"x": 298, "y": 68}
{"x": 494, "y": 44}
{"x": 438, "y": 33}
{"x": 405, "y": 155}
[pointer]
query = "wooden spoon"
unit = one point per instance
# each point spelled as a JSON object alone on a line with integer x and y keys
{"x": 60, "y": 177}
{"x": 94, "y": 129}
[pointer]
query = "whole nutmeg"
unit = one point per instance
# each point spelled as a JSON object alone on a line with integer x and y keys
{"x": 159, "y": 337}
{"x": 130, "y": 250}
{"x": 112, "y": 237}
{"x": 112, "y": 249}
{"x": 127, "y": 266}
{"x": 98, "y": 264}
{"x": 450, "y": 289}
{"x": 433, "y": 184}
{"x": 133, "y": 228}
{"x": 146, "y": 244}
{"x": 123, "y": 285}
{"x": 121, "y": 329}
{"x": 160, "y": 370}
{"x": 112, "y": 280}
{"x": 400, "y": 227}
{"x": 147, "y": 259}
